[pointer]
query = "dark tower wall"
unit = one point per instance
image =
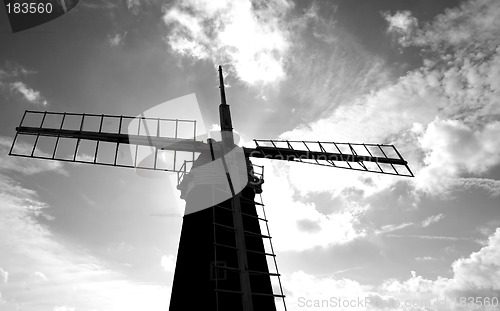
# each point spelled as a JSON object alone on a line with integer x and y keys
{"x": 208, "y": 243}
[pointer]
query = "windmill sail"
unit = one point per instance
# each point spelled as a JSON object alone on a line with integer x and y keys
{"x": 375, "y": 158}
{"x": 112, "y": 140}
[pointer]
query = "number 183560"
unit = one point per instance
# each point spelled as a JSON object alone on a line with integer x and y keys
{"x": 29, "y": 8}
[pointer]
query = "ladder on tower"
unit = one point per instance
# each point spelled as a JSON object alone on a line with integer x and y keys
{"x": 222, "y": 221}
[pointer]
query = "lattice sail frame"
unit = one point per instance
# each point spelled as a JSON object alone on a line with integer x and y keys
{"x": 110, "y": 140}
{"x": 375, "y": 158}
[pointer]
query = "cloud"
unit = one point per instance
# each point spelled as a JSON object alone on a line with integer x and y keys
{"x": 45, "y": 270}
{"x": 120, "y": 248}
{"x": 134, "y": 6}
{"x": 442, "y": 116}
{"x": 474, "y": 276}
{"x": 14, "y": 70}
{"x": 100, "y": 4}
{"x": 470, "y": 25}
{"x": 432, "y": 220}
{"x": 25, "y": 166}
{"x": 425, "y": 258}
{"x": 168, "y": 263}
{"x": 303, "y": 290}
{"x": 117, "y": 39}
{"x": 4, "y": 275}
{"x": 425, "y": 223}
{"x": 392, "y": 227}
{"x": 401, "y": 23}
{"x": 491, "y": 186}
{"x": 326, "y": 67}
{"x": 453, "y": 146}
{"x": 253, "y": 38}
{"x": 453, "y": 149}
{"x": 9, "y": 80}
{"x": 325, "y": 293}
{"x": 29, "y": 94}
{"x": 70, "y": 276}
{"x": 41, "y": 276}
{"x": 426, "y": 293}
{"x": 479, "y": 273}
{"x": 63, "y": 308}
{"x": 428, "y": 237}
{"x": 298, "y": 226}
{"x": 324, "y": 78}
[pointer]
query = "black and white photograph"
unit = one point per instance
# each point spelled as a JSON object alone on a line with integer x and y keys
{"x": 253, "y": 155}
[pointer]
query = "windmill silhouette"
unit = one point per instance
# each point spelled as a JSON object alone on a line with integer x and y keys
{"x": 225, "y": 250}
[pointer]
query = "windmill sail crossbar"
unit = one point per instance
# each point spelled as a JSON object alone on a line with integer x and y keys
{"x": 163, "y": 143}
{"x": 291, "y": 155}
{"x": 377, "y": 158}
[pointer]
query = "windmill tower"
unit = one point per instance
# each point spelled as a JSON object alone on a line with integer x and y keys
{"x": 225, "y": 259}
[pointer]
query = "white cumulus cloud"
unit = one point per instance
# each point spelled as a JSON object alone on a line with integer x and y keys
{"x": 252, "y": 37}
{"x": 480, "y": 272}
{"x": 476, "y": 275}
{"x": 298, "y": 226}
{"x": 453, "y": 148}
{"x": 401, "y": 23}
{"x": 442, "y": 116}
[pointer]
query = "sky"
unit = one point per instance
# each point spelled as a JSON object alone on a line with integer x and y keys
{"x": 423, "y": 75}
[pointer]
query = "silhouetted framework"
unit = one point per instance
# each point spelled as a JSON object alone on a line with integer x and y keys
{"x": 226, "y": 259}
